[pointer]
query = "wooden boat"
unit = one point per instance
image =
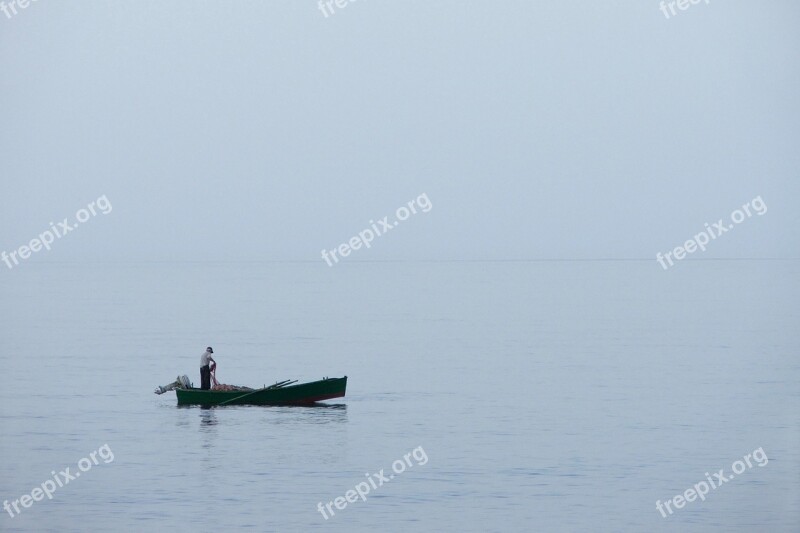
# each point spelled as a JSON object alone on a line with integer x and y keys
{"x": 283, "y": 393}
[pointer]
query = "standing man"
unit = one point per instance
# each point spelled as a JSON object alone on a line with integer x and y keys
{"x": 205, "y": 368}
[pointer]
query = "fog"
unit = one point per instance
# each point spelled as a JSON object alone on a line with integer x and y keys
{"x": 270, "y": 131}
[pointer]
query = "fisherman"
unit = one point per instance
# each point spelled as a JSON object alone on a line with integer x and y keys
{"x": 205, "y": 368}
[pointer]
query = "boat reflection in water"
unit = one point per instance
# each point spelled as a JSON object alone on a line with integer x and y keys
{"x": 208, "y": 417}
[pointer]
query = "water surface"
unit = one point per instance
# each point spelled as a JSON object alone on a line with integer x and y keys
{"x": 548, "y": 396}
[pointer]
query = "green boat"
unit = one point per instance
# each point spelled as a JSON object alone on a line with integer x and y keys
{"x": 283, "y": 393}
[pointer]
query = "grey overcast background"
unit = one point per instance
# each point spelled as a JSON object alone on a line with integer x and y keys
{"x": 236, "y": 140}
{"x": 266, "y": 131}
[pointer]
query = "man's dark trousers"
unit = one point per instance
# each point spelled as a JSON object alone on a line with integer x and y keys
{"x": 205, "y": 377}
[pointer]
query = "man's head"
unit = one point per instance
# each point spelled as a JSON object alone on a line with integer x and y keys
{"x": 209, "y": 350}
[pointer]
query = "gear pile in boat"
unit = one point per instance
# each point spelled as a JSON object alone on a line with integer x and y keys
{"x": 235, "y": 388}
{"x": 223, "y": 387}
{"x": 182, "y": 382}
{"x": 217, "y": 386}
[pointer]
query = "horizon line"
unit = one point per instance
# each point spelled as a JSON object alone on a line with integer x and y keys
{"x": 541, "y": 260}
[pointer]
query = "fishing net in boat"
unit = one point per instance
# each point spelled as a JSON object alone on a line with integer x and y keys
{"x": 216, "y": 385}
{"x": 223, "y": 387}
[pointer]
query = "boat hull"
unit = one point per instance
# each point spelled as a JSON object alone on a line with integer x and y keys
{"x": 303, "y": 394}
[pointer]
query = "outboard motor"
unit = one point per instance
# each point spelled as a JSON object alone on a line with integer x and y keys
{"x": 182, "y": 382}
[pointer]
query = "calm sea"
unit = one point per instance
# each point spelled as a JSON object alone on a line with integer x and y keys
{"x": 543, "y": 396}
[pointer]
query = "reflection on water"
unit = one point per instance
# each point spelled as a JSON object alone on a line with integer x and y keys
{"x": 269, "y": 428}
{"x": 312, "y": 414}
{"x": 319, "y": 413}
{"x": 305, "y": 411}
{"x": 207, "y": 417}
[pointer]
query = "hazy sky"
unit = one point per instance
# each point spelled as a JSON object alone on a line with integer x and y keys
{"x": 264, "y": 130}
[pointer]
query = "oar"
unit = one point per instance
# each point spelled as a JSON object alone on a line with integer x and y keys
{"x": 282, "y": 384}
{"x": 279, "y": 384}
